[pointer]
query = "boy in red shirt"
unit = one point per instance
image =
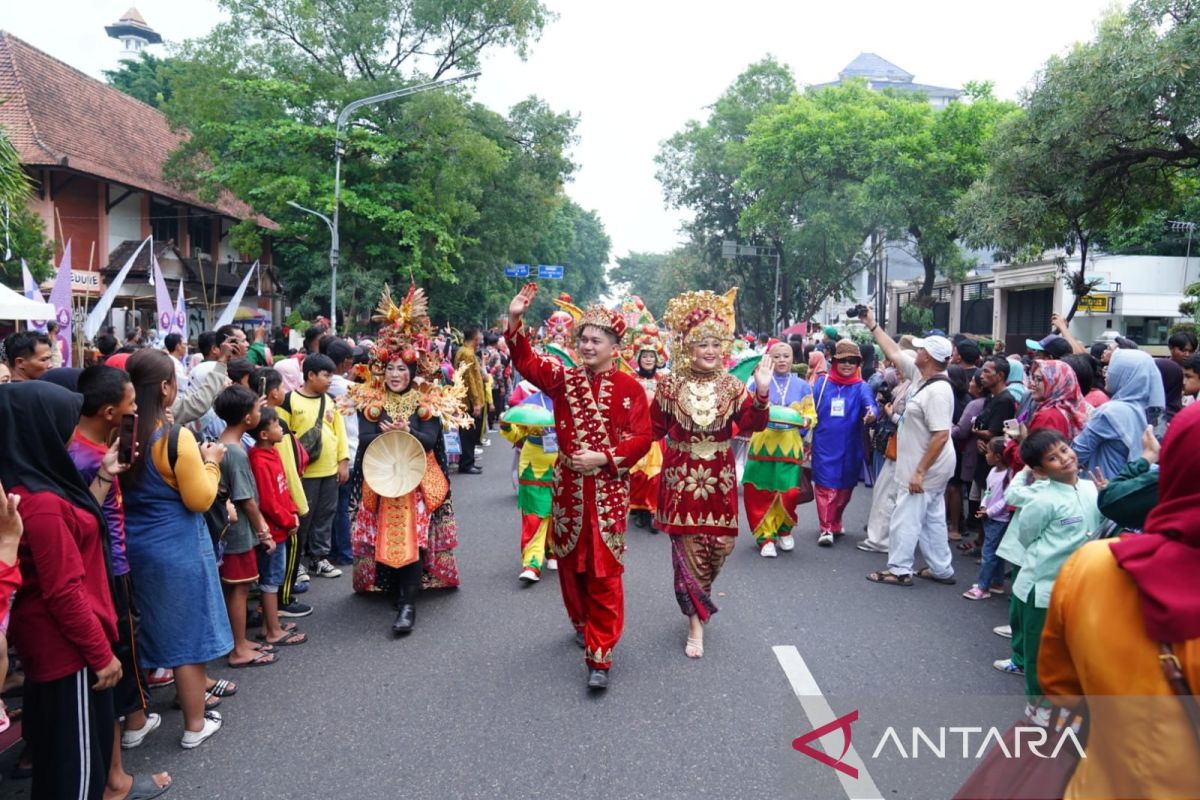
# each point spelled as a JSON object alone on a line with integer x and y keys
{"x": 279, "y": 510}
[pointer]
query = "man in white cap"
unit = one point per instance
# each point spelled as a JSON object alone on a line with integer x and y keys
{"x": 924, "y": 461}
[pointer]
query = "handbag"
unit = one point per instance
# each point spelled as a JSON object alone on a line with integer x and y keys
{"x": 1173, "y": 672}
{"x": 1000, "y": 776}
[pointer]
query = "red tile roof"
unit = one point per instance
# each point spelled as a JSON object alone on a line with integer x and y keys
{"x": 55, "y": 115}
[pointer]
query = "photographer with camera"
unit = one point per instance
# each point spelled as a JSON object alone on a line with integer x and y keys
{"x": 924, "y": 461}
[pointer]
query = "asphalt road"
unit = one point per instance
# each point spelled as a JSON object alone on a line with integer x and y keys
{"x": 487, "y": 697}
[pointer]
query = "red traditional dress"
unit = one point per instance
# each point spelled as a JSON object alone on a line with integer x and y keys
{"x": 697, "y": 412}
{"x": 646, "y": 475}
{"x": 605, "y": 413}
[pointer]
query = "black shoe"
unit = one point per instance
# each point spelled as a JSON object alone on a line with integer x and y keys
{"x": 471, "y": 470}
{"x": 598, "y": 679}
{"x": 405, "y": 619}
{"x": 640, "y": 519}
{"x": 579, "y": 639}
{"x": 295, "y": 609}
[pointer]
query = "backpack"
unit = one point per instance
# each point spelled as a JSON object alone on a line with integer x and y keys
{"x": 310, "y": 440}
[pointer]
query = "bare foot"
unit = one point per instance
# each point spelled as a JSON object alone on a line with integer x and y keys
{"x": 695, "y": 641}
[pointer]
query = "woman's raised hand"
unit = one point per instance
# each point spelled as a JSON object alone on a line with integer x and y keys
{"x": 520, "y": 303}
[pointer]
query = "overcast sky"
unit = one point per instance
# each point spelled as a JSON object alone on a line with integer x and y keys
{"x": 636, "y": 70}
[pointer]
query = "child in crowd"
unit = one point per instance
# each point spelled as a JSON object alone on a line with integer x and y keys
{"x": 1058, "y": 514}
{"x": 238, "y": 408}
{"x": 1191, "y": 379}
{"x": 108, "y": 396}
{"x": 994, "y": 512}
{"x": 270, "y": 383}
{"x": 279, "y": 510}
{"x": 312, "y": 415}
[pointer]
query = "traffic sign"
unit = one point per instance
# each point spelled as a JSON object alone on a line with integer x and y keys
{"x": 550, "y": 273}
{"x": 516, "y": 271}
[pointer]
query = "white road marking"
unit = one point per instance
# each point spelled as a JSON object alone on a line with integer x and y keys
{"x": 819, "y": 713}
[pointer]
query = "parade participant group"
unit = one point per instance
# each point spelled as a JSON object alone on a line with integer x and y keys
{"x": 128, "y": 557}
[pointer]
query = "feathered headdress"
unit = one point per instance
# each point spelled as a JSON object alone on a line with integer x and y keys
{"x": 642, "y": 333}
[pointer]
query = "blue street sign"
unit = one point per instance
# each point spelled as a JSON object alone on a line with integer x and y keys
{"x": 516, "y": 271}
{"x": 550, "y": 273}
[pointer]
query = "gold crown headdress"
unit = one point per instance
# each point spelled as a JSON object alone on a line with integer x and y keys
{"x": 695, "y": 316}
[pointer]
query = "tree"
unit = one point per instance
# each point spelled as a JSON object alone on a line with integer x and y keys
{"x": 433, "y": 186}
{"x": 148, "y": 78}
{"x": 25, "y": 233}
{"x": 699, "y": 168}
{"x": 1050, "y": 182}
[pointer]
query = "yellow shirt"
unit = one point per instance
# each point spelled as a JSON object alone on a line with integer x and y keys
{"x": 334, "y": 446}
{"x": 1140, "y": 743}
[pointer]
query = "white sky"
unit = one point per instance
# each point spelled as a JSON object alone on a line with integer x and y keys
{"x": 637, "y": 70}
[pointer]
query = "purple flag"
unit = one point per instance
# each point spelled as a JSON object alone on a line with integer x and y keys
{"x": 33, "y": 292}
{"x": 60, "y": 298}
{"x": 179, "y": 324}
{"x": 162, "y": 296}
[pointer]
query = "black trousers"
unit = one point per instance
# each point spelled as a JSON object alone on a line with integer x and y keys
{"x": 131, "y": 693}
{"x": 469, "y": 438}
{"x": 401, "y": 584}
{"x": 69, "y": 729}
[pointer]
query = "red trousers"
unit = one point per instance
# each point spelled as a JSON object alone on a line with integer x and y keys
{"x": 596, "y": 606}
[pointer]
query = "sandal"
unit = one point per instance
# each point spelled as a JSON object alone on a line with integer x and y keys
{"x": 890, "y": 578}
{"x": 694, "y": 648}
{"x": 927, "y": 574}
{"x": 288, "y": 639}
{"x": 263, "y": 660}
{"x": 211, "y": 701}
{"x": 966, "y": 545}
{"x": 144, "y": 788}
{"x": 222, "y": 688}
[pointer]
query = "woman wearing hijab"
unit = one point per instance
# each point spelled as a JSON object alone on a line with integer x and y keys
{"x": 817, "y": 366}
{"x": 64, "y": 623}
{"x": 1113, "y": 435}
{"x": 1119, "y": 611}
{"x": 176, "y": 589}
{"x": 844, "y": 406}
{"x": 1057, "y": 403}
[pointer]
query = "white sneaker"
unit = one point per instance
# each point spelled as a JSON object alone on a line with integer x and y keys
{"x": 768, "y": 550}
{"x": 212, "y": 724}
{"x": 325, "y": 569}
{"x": 131, "y": 739}
{"x": 1003, "y": 630}
{"x": 301, "y": 573}
{"x": 825, "y": 539}
{"x": 529, "y": 576}
{"x": 786, "y": 543}
{"x": 552, "y": 564}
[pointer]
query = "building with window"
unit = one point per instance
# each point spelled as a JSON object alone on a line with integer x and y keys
{"x": 1137, "y": 297}
{"x": 96, "y": 157}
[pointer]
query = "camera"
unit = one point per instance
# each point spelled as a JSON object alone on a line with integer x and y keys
{"x": 885, "y": 395}
{"x": 856, "y": 312}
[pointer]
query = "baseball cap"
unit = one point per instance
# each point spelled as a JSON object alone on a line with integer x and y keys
{"x": 1034, "y": 344}
{"x": 938, "y": 347}
{"x": 830, "y": 331}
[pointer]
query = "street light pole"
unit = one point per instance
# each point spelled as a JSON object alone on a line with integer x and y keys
{"x": 1179, "y": 226}
{"x": 339, "y": 149}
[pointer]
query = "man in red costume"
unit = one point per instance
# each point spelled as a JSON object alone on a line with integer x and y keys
{"x": 602, "y": 424}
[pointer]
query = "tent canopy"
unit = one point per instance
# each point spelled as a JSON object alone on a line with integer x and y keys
{"x": 18, "y": 306}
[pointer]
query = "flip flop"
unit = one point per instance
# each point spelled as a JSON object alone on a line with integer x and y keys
{"x": 222, "y": 688}
{"x": 289, "y": 638}
{"x": 144, "y": 788}
{"x": 263, "y": 660}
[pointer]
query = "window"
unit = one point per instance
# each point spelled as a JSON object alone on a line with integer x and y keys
{"x": 1149, "y": 330}
{"x": 164, "y": 221}
{"x": 200, "y": 235}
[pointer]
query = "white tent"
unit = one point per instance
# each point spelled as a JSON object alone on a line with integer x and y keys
{"x": 18, "y": 306}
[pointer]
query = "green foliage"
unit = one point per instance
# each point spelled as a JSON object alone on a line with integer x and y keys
{"x": 434, "y": 187}
{"x": 148, "y": 78}
{"x": 27, "y": 239}
{"x": 1185, "y": 327}
{"x": 916, "y": 318}
{"x": 15, "y": 184}
{"x": 699, "y": 168}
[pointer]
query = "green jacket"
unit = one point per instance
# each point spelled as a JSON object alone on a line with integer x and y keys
{"x": 1129, "y": 497}
{"x": 1056, "y": 520}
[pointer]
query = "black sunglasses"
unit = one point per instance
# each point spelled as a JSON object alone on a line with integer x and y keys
{"x": 854, "y": 361}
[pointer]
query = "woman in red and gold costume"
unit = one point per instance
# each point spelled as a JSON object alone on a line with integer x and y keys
{"x": 696, "y": 409}
{"x": 403, "y": 544}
